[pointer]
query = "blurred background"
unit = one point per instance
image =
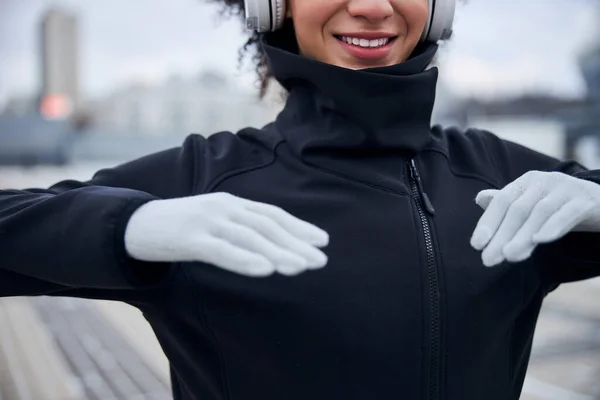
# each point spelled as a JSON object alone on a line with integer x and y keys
{"x": 87, "y": 84}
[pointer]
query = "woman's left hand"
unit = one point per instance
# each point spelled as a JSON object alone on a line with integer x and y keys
{"x": 539, "y": 207}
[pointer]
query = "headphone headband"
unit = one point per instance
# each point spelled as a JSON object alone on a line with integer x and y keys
{"x": 268, "y": 15}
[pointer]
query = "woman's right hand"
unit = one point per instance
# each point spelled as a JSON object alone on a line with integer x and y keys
{"x": 239, "y": 235}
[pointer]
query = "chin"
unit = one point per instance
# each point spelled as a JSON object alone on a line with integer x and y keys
{"x": 360, "y": 64}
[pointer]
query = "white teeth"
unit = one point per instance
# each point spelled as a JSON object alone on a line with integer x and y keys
{"x": 365, "y": 42}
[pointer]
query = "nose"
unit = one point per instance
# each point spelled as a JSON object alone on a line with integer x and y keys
{"x": 371, "y": 10}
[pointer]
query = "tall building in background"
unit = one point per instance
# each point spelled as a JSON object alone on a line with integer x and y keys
{"x": 590, "y": 63}
{"x": 59, "y": 64}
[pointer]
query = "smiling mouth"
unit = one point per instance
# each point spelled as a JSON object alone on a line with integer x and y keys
{"x": 366, "y": 43}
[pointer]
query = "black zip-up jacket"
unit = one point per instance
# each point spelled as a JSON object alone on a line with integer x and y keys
{"x": 404, "y": 309}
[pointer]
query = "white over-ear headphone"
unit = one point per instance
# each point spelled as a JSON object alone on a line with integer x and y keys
{"x": 268, "y": 15}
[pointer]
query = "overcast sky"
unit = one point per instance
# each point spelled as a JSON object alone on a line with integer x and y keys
{"x": 500, "y": 47}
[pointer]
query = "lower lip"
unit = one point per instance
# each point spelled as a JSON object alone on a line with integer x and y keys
{"x": 368, "y": 53}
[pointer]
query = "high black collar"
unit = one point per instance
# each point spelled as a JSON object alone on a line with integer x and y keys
{"x": 338, "y": 113}
{"x": 387, "y": 107}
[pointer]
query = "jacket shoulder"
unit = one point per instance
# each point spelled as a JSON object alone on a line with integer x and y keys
{"x": 467, "y": 152}
{"x": 483, "y": 152}
{"x": 225, "y": 153}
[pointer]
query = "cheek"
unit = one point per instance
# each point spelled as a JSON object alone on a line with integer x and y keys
{"x": 308, "y": 38}
{"x": 415, "y": 14}
{"x": 309, "y": 26}
{"x": 311, "y": 16}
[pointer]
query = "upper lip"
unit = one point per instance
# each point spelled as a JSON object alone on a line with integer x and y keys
{"x": 367, "y": 35}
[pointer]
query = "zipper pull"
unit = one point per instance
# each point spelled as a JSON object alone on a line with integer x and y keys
{"x": 414, "y": 173}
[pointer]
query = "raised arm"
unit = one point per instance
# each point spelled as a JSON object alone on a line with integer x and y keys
{"x": 548, "y": 209}
{"x": 125, "y": 228}
{"x": 70, "y": 235}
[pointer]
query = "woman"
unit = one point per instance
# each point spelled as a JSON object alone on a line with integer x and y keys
{"x": 404, "y": 307}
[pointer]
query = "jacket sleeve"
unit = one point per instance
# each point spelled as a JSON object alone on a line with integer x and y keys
{"x": 577, "y": 255}
{"x": 71, "y": 235}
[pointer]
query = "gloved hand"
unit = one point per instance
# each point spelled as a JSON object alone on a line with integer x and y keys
{"x": 539, "y": 207}
{"x": 232, "y": 233}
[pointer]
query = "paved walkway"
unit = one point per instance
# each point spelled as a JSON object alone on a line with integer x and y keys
{"x": 565, "y": 362}
{"x": 106, "y": 364}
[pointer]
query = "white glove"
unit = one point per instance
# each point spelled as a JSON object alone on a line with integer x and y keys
{"x": 229, "y": 232}
{"x": 539, "y": 207}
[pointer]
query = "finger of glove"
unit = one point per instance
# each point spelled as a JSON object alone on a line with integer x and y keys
{"x": 297, "y": 227}
{"x": 562, "y": 222}
{"x": 485, "y": 197}
{"x": 225, "y": 255}
{"x": 517, "y": 213}
{"x": 251, "y": 240}
{"x": 288, "y": 270}
{"x": 270, "y": 229}
{"x": 492, "y": 217}
{"x": 522, "y": 244}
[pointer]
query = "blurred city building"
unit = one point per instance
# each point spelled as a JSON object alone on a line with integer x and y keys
{"x": 205, "y": 104}
{"x": 62, "y": 126}
{"x": 19, "y": 106}
{"x": 132, "y": 122}
{"x": 30, "y": 139}
{"x": 59, "y": 95}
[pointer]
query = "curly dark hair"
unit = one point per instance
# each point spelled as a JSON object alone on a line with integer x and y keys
{"x": 252, "y": 47}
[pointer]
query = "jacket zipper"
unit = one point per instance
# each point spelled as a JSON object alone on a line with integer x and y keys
{"x": 424, "y": 204}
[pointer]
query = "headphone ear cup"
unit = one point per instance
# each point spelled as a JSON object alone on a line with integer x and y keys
{"x": 441, "y": 17}
{"x": 264, "y": 15}
{"x": 278, "y": 13}
{"x": 258, "y": 15}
